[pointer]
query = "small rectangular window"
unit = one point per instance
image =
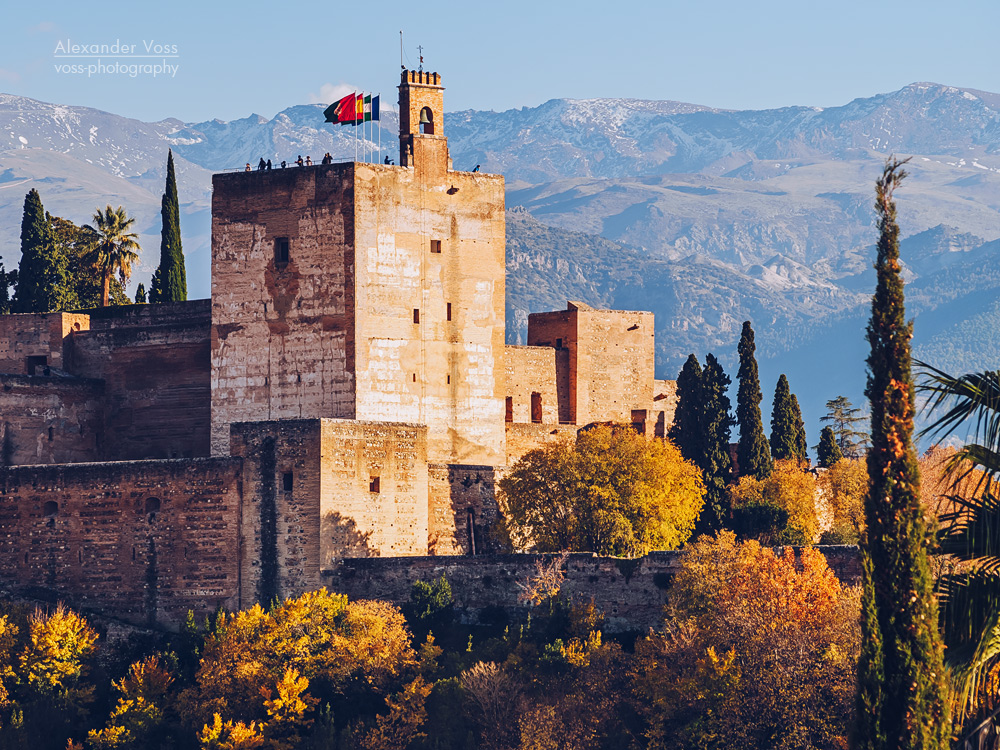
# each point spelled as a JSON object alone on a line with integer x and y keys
{"x": 416, "y": 315}
{"x": 558, "y": 343}
{"x": 449, "y": 380}
{"x": 374, "y": 485}
{"x": 281, "y": 251}
{"x": 509, "y": 417}
{"x": 286, "y": 481}
{"x": 435, "y": 246}
{"x": 449, "y": 311}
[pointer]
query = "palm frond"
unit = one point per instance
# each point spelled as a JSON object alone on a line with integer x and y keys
{"x": 970, "y": 624}
{"x": 971, "y": 533}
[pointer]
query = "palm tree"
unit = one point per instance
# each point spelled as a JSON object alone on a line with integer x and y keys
{"x": 113, "y": 248}
{"x": 969, "y": 591}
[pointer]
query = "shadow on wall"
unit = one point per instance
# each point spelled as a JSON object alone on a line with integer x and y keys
{"x": 344, "y": 538}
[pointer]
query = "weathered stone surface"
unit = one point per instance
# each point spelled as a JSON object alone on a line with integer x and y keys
{"x": 630, "y": 593}
{"x": 463, "y": 508}
{"x": 143, "y": 541}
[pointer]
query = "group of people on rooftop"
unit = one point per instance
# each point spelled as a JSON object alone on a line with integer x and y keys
{"x": 265, "y": 166}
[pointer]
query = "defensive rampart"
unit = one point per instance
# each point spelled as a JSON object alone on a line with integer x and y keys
{"x": 487, "y": 589}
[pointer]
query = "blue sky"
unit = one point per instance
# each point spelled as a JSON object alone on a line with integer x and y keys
{"x": 234, "y": 59}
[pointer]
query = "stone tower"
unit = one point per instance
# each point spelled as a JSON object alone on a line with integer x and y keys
{"x": 364, "y": 291}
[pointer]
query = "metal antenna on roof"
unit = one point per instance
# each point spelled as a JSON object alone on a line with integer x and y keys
{"x": 401, "y": 50}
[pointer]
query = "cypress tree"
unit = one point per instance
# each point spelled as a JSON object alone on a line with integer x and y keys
{"x": 41, "y": 272}
{"x": 170, "y": 280}
{"x": 715, "y": 460}
{"x": 828, "y": 452}
{"x": 901, "y": 695}
{"x": 140, "y": 294}
{"x": 783, "y": 427}
{"x": 686, "y": 429}
{"x": 753, "y": 454}
{"x": 801, "y": 449}
{"x": 6, "y": 280}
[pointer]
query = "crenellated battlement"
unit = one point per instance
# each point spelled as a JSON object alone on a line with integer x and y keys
{"x": 420, "y": 78}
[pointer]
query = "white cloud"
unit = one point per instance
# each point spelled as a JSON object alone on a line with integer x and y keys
{"x": 44, "y": 26}
{"x": 331, "y": 92}
{"x": 9, "y": 75}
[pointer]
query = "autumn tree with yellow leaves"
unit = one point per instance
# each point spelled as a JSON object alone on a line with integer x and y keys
{"x": 612, "y": 492}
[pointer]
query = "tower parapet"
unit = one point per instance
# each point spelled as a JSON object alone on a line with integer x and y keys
{"x": 421, "y": 122}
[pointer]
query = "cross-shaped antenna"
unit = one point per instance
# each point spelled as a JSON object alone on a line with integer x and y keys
{"x": 420, "y": 49}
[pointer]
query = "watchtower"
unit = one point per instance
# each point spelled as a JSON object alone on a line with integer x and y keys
{"x": 421, "y": 122}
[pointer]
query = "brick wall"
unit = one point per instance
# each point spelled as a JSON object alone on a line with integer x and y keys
{"x": 630, "y": 593}
{"x": 143, "y": 541}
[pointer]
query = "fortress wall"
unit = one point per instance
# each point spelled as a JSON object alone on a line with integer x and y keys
{"x": 142, "y": 541}
{"x": 661, "y": 413}
{"x": 374, "y": 489}
{"x": 429, "y": 240}
{"x": 155, "y": 361}
{"x": 531, "y": 370}
{"x": 50, "y": 420}
{"x": 522, "y": 438}
{"x": 279, "y": 524}
{"x": 463, "y": 508}
{"x": 38, "y": 340}
{"x": 282, "y": 330}
{"x": 630, "y": 593}
{"x": 615, "y": 365}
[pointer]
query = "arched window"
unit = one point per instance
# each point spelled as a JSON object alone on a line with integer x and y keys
{"x": 50, "y": 509}
{"x": 426, "y": 121}
{"x": 152, "y": 508}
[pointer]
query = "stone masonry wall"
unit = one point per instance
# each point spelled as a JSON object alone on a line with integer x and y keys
{"x": 31, "y": 340}
{"x": 430, "y": 305}
{"x": 50, "y": 420}
{"x": 461, "y": 495}
{"x": 522, "y": 438}
{"x": 155, "y": 362}
{"x": 531, "y": 370}
{"x": 630, "y": 593}
{"x": 282, "y": 330}
{"x": 280, "y": 519}
{"x": 142, "y": 541}
{"x": 374, "y": 490}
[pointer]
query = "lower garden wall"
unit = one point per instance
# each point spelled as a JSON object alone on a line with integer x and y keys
{"x": 631, "y": 593}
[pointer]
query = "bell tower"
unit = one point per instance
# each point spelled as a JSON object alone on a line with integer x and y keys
{"x": 421, "y": 122}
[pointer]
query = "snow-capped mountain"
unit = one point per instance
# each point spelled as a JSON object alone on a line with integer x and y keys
{"x": 731, "y": 214}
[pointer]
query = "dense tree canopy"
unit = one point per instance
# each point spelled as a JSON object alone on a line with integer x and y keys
{"x": 613, "y": 492}
{"x": 789, "y": 488}
{"x": 42, "y": 271}
{"x": 758, "y": 652}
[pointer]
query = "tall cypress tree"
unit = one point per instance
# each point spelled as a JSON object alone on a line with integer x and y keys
{"x": 753, "y": 454}
{"x": 170, "y": 280}
{"x": 686, "y": 429}
{"x": 715, "y": 460}
{"x": 901, "y": 692}
{"x": 6, "y": 280}
{"x": 801, "y": 449}
{"x": 41, "y": 272}
{"x": 783, "y": 427}
{"x": 828, "y": 452}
